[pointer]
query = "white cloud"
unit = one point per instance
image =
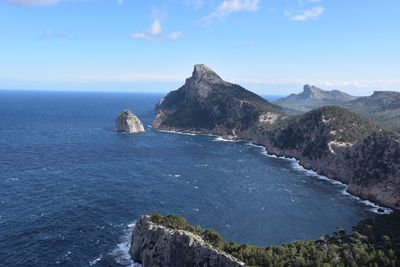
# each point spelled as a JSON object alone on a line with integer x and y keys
{"x": 196, "y": 3}
{"x": 304, "y": 15}
{"x": 48, "y": 34}
{"x": 174, "y": 36}
{"x": 228, "y": 7}
{"x": 155, "y": 32}
{"x": 120, "y": 2}
{"x": 32, "y": 2}
{"x": 155, "y": 28}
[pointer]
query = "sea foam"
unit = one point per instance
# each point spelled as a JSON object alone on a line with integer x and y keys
{"x": 121, "y": 251}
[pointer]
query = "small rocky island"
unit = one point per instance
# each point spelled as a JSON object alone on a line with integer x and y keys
{"x": 129, "y": 123}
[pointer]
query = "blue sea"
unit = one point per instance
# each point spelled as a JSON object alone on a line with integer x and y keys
{"x": 71, "y": 187}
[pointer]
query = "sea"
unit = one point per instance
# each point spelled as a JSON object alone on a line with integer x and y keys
{"x": 72, "y": 187}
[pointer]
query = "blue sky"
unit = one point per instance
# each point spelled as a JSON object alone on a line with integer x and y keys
{"x": 268, "y": 46}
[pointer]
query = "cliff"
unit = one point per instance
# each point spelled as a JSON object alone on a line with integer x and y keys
{"x": 128, "y": 122}
{"x": 155, "y": 244}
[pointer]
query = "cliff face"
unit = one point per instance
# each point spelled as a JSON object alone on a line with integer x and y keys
{"x": 128, "y": 122}
{"x": 208, "y": 104}
{"x": 156, "y": 245}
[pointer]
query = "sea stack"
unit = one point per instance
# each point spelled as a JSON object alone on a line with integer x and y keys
{"x": 128, "y": 122}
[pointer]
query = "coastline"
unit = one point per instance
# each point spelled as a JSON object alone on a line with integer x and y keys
{"x": 374, "y": 207}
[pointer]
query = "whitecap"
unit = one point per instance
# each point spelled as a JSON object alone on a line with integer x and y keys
{"x": 221, "y": 139}
{"x": 121, "y": 253}
{"x": 95, "y": 260}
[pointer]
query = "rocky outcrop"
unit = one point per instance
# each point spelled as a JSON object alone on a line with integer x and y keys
{"x": 128, "y": 122}
{"x": 156, "y": 245}
{"x": 208, "y": 104}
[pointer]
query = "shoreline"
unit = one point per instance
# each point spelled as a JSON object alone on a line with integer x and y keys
{"x": 374, "y": 206}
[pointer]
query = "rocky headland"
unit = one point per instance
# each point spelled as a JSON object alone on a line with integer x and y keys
{"x": 171, "y": 241}
{"x": 333, "y": 141}
{"x": 128, "y": 122}
{"x": 158, "y": 244}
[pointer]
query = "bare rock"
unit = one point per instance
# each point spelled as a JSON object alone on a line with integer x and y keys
{"x": 157, "y": 245}
{"x": 128, "y": 122}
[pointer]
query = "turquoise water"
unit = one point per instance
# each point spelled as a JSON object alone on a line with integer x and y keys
{"x": 71, "y": 187}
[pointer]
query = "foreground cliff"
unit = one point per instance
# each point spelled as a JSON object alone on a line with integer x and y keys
{"x": 157, "y": 244}
{"x": 331, "y": 140}
{"x": 171, "y": 241}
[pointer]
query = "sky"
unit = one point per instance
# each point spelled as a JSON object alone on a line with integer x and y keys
{"x": 268, "y": 46}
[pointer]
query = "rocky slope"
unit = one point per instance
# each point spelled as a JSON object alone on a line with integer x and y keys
{"x": 331, "y": 140}
{"x": 208, "y": 104}
{"x": 154, "y": 244}
{"x": 313, "y": 97}
{"x": 128, "y": 122}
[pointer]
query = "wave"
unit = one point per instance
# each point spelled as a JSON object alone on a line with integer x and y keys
{"x": 121, "y": 253}
{"x": 221, "y": 139}
{"x": 176, "y": 132}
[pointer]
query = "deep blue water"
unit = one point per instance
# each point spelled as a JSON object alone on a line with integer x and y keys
{"x": 70, "y": 185}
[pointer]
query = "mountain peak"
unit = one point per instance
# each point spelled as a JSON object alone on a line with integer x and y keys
{"x": 311, "y": 91}
{"x": 202, "y": 72}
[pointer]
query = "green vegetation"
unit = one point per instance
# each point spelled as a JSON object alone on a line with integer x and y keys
{"x": 382, "y": 107}
{"x": 372, "y": 243}
{"x": 311, "y": 132}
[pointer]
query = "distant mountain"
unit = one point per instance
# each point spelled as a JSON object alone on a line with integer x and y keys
{"x": 382, "y": 106}
{"x": 208, "y": 104}
{"x": 313, "y": 97}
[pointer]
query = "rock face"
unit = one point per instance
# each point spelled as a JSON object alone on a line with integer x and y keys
{"x": 208, "y": 104}
{"x": 157, "y": 245}
{"x": 128, "y": 122}
{"x": 314, "y": 97}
